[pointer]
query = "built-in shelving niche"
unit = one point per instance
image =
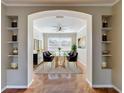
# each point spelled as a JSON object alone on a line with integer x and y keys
{"x": 12, "y": 28}
{"x": 106, "y": 41}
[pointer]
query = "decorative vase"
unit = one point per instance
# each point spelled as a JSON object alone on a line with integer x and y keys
{"x": 14, "y": 23}
{"x": 14, "y": 37}
{"x": 104, "y": 37}
{"x": 105, "y": 23}
{"x": 14, "y": 65}
{"x": 15, "y": 51}
{"x": 104, "y": 64}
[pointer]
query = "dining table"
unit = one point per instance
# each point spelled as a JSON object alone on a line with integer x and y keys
{"x": 60, "y": 60}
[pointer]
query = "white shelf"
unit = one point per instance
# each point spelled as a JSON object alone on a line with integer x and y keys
{"x": 106, "y": 41}
{"x": 9, "y": 68}
{"x": 106, "y": 67}
{"x": 12, "y": 42}
{"x": 106, "y": 55}
{"x": 12, "y": 55}
{"x": 12, "y": 28}
{"x": 106, "y": 29}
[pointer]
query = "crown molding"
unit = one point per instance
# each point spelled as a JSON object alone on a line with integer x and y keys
{"x": 2, "y": 2}
{"x": 7, "y": 4}
{"x": 115, "y": 2}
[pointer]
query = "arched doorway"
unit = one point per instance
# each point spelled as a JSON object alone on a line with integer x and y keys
{"x": 50, "y": 13}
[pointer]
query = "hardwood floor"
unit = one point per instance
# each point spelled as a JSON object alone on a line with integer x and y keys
{"x": 50, "y": 67}
{"x": 64, "y": 83}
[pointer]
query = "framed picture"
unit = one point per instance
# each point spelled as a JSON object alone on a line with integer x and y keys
{"x": 82, "y": 42}
{"x": 36, "y": 44}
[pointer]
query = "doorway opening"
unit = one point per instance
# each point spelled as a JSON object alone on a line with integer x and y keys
{"x": 59, "y": 31}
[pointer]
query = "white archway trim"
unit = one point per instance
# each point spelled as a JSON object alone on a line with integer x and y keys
{"x": 50, "y": 13}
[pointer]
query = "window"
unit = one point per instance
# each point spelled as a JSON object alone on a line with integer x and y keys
{"x": 59, "y": 42}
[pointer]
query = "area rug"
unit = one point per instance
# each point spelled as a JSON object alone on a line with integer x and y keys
{"x": 47, "y": 67}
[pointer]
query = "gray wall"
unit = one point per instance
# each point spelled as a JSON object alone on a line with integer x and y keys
{"x": 23, "y": 12}
{"x": 117, "y": 45}
{"x": 19, "y": 77}
{"x": 4, "y": 47}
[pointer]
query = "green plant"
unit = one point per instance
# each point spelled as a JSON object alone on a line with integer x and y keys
{"x": 59, "y": 48}
{"x": 74, "y": 47}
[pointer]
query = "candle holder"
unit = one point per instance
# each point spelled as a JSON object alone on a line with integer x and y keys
{"x": 14, "y": 23}
{"x": 104, "y": 37}
{"x": 14, "y": 37}
{"x": 105, "y": 23}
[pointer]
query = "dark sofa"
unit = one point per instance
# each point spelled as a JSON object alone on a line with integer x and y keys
{"x": 72, "y": 56}
{"x": 47, "y": 56}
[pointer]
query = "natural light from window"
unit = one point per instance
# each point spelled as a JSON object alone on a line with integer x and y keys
{"x": 59, "y": 42}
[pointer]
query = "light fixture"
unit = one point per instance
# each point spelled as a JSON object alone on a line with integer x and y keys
{"x": 59, "y": 16}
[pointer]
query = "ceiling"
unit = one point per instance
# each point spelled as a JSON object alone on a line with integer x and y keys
{"x": 59, "y": 2}
{"x": 51, "y": 24}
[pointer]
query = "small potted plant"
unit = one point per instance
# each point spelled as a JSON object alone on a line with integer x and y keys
{"x": 74, "y": 47}
{"x": 59, "y": 50}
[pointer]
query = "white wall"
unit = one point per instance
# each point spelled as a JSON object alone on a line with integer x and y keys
{"x": 37, "y": 35}
{"x": 98, "y": 76}
{"x": 82, "y": 52}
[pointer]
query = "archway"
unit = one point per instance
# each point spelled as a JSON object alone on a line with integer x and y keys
{"x": 49, "y": 13}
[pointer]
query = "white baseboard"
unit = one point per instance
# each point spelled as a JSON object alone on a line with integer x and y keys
{"x": 30, "y": 83}
{"x": 89, "y": 82}
{"x": 3, "y": 89}
{"x": 16, "y": 86}
{"x": 107, "y": 86}
{"x": 102, "y": 86}
{"x": 13, "y": 86}
{"x": 117, "y": 89}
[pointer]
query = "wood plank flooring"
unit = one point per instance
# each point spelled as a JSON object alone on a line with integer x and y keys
{"x": 65, "y": 83}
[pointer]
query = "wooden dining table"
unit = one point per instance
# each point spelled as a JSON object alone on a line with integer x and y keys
{"x": 60, "y": 61}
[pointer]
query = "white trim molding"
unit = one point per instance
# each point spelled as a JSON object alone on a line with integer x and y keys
{"x": 89, "y": 82}
{"x": 30, "y": 83}
{"x": 107, "y": 86}
{"x": 13, "y": 4}
{"x": 115, "y": 2}
{"x": 3, "y": 89}
{"x": 16, "y": 86}
{"x": 13, "y": 86}
{"x": 117, "y": 89}
{"x": 20, "y": 86}
{"x": 102, "y": 86}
